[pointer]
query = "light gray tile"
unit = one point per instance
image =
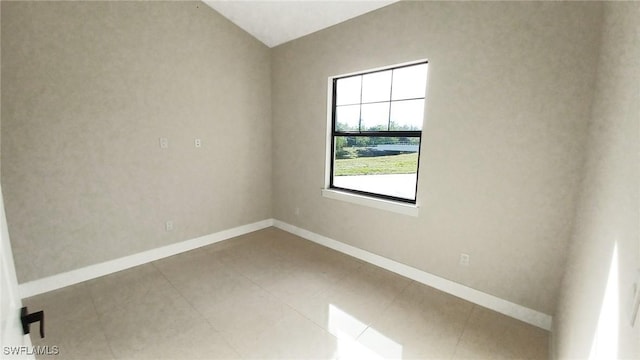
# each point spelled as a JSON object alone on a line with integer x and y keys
{"x": 68, "y": 303}
{"x": 199, "y": 341}
{"x": 75, "y": 338}
{"x": 270, "y": 294}
{"x": 71, "y": 324}
{"x": 148, "y": 322}
{"x": 359, "y": 298}
{"x": 421, "y": 323}
{"x": 239, "y": 304}
{"x": 117, "y": 290}
{"x": 492, "y": 335}
{"x": 293, "y": 337}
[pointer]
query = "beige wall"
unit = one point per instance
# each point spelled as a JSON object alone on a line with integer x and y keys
{"x": 593, "y": 315}
{"x": 509, "y": 93}
{"x": 88, "y": 88}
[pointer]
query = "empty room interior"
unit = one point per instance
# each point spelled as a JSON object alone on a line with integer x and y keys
{"x": 293, "y": 180}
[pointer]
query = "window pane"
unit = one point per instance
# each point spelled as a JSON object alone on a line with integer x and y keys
{"x": 407, "y": 115}
{"x": 375, "y": 117}
{"x": 348, "y": 90}
{"x": 409, "y": 82}
{"x": 348, "y": 118}
{"x": 376, "y": 86}
{"x": 379, "y": 165}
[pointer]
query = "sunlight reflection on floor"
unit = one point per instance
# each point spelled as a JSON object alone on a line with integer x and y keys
{"x": 347, "y": 329}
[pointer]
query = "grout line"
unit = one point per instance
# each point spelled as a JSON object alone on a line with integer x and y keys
{"x": 383, "y": 311}
{"x": 464, "y": 330}
{"x": 464, "y": 292}
{"x": 183, "y": 296}
{"x": 99, "y": 319}
{"x": 276, "y": 297}
{"x": 232, "y": 271}
{"x": 195, "y": 309}
{"x": 292, "y": 307}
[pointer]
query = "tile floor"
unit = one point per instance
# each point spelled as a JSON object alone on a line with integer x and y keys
{"x": 270, "y": 294}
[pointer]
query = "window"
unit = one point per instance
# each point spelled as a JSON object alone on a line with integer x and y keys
{"x": 376, "y": 131}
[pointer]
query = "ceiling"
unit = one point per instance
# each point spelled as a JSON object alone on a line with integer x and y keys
{"x": 276, "y": 22}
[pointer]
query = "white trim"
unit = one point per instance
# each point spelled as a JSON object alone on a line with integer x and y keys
{"x": 58, "y": 281}
{"x": 502, "y": 306}
{"x": 394, "y": 206}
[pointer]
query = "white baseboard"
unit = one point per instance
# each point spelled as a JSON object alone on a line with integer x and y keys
{"x": 58, "y": 281}
{"x": 502, "y": 306}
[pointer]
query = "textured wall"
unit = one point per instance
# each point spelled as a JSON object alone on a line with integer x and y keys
{"x": 593, "y": 315}
{"x": 88, "y": 88}
{"x": 509, "y": 91}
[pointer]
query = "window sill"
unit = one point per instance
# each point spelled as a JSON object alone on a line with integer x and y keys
{"x": 393, "y": 206}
